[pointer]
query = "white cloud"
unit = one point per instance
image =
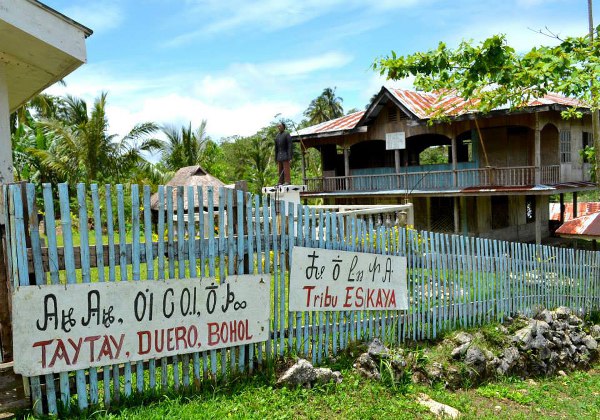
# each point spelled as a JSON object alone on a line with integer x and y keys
{"x": 237, "y": 101}
{"x": 308, "y": 65}
{"x": 99, "y": 16}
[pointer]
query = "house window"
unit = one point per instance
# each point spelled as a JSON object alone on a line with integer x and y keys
{"x": 499, "y": 211}
{"x": 392, "y": 115}
{"x": 469, "y": 145}
{"x": 586, "y": 140}
{"x": 565, "y": 146}
{"x": 530, "y": 208}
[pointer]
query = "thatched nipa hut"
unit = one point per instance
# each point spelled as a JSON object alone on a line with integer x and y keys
{"x": 194, "y": 176}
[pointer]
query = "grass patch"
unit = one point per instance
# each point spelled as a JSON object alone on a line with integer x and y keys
{"x": 574, "y": 396}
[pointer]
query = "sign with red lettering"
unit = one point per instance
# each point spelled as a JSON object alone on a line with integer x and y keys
{"x": 60, "y": 328}
{"x": 329, "y": 280}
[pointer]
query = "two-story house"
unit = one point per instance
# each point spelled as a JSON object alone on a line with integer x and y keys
{"x": 496, "y": 173}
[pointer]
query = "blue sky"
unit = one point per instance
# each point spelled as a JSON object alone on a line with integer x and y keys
{"x": 239, "y": 63}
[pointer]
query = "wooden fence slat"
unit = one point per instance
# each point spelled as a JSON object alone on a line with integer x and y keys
{"x": 191, "y": 230}
{"x": 34, "y": 235}
{"x": 240, "y": 255}
{"x": 122, "y": 235}
{"x": 202, "y": 232}
{"x": 98, "y": 232}
{"x": 212, "y": 252}
{"x": 249, "y": 202}
{"x": 181, "y": 243}
{"x": 170, "y": 233}
{"x": 230, "y": 251}
{"x": 148, "y": 235}
{"x": 267, "y": 269}
{"x": 160, "y": 231}
{"x": 299, "y": 331}
{"x": 259, "y": 268}
{"x": 136, "y": 274}
{"x": 50, "y": 227}
{"x": 65, "y": 221}
{"x": 86, "y": 278}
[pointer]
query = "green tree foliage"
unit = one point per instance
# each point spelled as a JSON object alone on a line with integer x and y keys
{"x": 57, "y": 139}
{"x": 183, "y": 146}
{"x": 325, "y": 107}
{"x": 434, "y": 155}
{"x": 213, "y": 159}
{"x": 254, "y": 159}
{"x": 491, "y": 74}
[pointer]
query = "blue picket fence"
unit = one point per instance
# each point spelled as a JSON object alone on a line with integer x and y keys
{"x": 111, "y": 233}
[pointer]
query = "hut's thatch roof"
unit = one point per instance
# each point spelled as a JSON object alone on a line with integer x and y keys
{"x": 194, "y": 176}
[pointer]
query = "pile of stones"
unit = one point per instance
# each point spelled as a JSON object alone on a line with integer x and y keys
{"x": 549, "y": 343}
{"x": 304, "y": 374}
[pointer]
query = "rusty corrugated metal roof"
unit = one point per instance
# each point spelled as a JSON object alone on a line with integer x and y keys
{"x": 584, "y": 226}
{"x": 423, "y": 104}
{"x": 347, "y": 122}
{"x": 583, "y": 209}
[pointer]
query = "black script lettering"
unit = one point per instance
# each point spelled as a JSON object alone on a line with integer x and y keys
{"x": 50, "y": 312}
{"x": 93, "y": 299}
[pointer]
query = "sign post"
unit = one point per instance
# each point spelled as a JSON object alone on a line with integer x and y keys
{"x": 329, "y": 280}
{"x": 61, "y": 328}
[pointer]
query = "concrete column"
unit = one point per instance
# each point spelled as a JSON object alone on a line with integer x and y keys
{"x": 347, "y": 166}
{"x": 537, "y": 151}
{"x": 346, "y": 161}
{"x": 303, "y": 165}
{"x": 398, "y": 163}
{"x": 538, "y": 219}
{"x": 454, "y": 161}
{"x": 562, "y": 208}
{"x": 6, "y": 163}
{"x": 575, "y": 205}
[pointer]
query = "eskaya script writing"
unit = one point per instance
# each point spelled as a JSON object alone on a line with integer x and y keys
{"x": 329, "y": 280}
{"x": 67, "y": 327}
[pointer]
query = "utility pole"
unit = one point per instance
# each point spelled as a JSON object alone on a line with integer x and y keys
{"x": 594, "y": 96}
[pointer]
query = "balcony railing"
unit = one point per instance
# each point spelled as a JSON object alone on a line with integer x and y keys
{"x": 437, "y": 180}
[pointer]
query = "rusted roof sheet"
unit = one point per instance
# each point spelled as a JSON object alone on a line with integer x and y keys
{"x": 347, "y": 122}
{"x": 583, "y": 209}
{"x": 584, "y": 226}
{"x": 577, "y": 185}
{"x": 423, "y": 104}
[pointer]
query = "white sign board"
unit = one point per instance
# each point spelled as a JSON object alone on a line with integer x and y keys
{"x": 394, "y": 141}
{"x": 67, "y": 327}
{"x": 328, "y": 280}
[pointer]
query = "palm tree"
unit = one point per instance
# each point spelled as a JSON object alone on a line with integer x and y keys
{"x": 333, "y": 103}
{"x": 260, "y": 157}
{"x": 184, "y": 146}
{"x": 325, "y": 107}
{"x": 81, "y": 148}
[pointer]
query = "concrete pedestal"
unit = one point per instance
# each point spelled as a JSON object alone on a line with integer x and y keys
{"x": 289, "y": 193}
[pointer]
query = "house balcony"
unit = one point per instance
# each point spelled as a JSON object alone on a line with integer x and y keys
{"x": 409, "y": 181}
